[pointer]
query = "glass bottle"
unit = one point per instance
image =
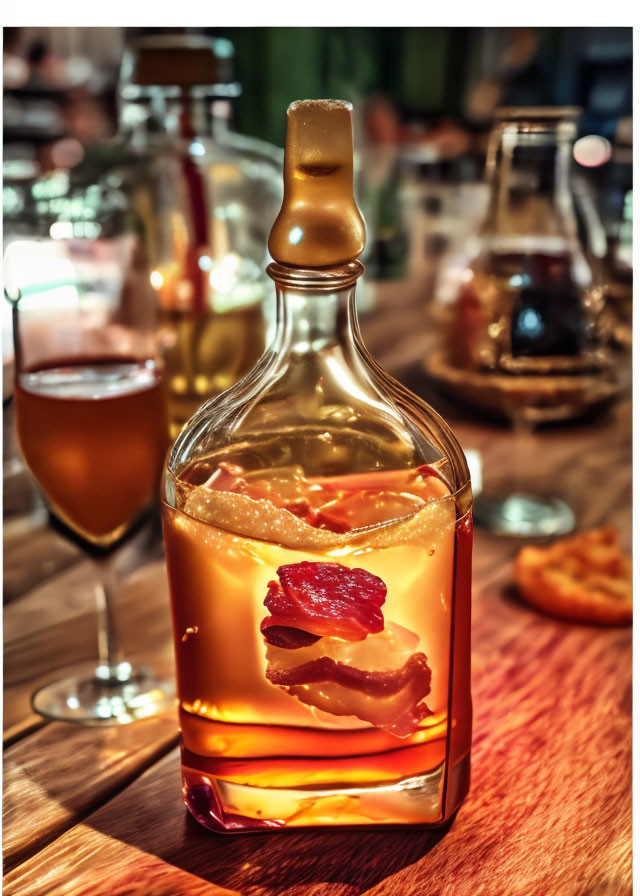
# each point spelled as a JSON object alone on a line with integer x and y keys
{"x": 317, "y": 524}
{"x": 528, "y": 335}
{"x": 529, "y": 303}
{"x": 205, "y": 194}
{"x": 389, "y": 255}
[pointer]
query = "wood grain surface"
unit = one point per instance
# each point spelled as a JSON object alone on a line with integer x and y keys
{"x": 98, "y": 812}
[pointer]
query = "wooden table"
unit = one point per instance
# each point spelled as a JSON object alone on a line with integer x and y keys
{"x": 91, "y": 811}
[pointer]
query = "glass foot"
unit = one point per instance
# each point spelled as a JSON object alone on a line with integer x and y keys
{"x": 91, "y": 696}
{"x": 524, "y": 515}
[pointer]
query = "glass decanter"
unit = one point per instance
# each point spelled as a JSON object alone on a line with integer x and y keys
{"x": 317, "y": 525}
{"x": 526, "y": 335}
{"x": 206, "y": 195}
{"x": 529, "y": 303}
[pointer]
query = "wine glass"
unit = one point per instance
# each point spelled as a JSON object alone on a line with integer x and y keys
{"x": 90, "y": 410}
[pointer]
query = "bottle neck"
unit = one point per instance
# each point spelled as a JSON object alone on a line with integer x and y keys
{"x": 530, "y": 196}
{"x": 316, "y": 309}
{"x": 172, "y": 113}
{"x": 311, "y": 322}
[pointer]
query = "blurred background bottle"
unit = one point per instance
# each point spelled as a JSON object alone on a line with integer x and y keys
{"x": 530, "y": 302}
{"x": 381, "y": 193}
{"x": 205, "y": 195}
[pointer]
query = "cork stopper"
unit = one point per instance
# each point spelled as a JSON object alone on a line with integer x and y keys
{"x": 319, "y": 224}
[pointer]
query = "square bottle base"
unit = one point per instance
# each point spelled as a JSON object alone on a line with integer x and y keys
{"x": 226, "y": 807}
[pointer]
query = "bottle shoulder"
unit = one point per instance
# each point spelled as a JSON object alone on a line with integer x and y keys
{"x": 240, "y": 159}
{"x": 420, "y": 416}
{"x": 324, "y": 412}
{"x": 250, "y": 147}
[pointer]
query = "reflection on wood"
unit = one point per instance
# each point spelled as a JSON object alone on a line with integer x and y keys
{"x": 62, "y": 790}
{"x": 27, "y": 561}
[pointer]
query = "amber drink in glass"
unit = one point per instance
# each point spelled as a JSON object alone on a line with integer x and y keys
{"x": 91, "y": 416}
{"x": 92, "y": 433}
{"x": 317, "y": 523}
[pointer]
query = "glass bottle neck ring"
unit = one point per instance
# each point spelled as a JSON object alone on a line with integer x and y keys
{"x": 330, "y": 279}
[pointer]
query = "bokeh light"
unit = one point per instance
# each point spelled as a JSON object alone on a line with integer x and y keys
{"x": 592, "y": 151}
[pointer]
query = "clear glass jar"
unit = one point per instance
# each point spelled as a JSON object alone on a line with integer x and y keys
{"x": 319, "y": 479}
{"x": 206, "y": 195}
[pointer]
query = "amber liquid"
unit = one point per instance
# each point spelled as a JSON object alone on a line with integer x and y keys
{"x": 94, "y": 435}
{"x": 206, "y": 353}
{"x": 256, "y": 754}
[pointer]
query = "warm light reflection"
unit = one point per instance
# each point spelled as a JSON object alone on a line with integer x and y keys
{"x": 41, "y": 273}
{"x": 467, "y": 276}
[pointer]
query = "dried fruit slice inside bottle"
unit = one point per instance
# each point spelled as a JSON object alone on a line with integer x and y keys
{"x": 326, "y": 599}
{"x": 327, "y": 645}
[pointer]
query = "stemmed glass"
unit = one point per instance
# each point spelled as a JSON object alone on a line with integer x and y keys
{"x": 90, "y": 414}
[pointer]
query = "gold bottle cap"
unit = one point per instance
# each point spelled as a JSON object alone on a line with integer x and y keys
{"x": 319, "y": 224}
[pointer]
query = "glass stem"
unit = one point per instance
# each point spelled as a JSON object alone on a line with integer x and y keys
{"x": 111, "y": 665}
{"x": 524, "y": 447}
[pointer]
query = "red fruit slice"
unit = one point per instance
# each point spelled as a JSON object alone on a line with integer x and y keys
{"x": 335, "y": 503}
{"x": 426, "y": 482}
{"x": 298, "y": 506}
{"x": 326, "y": 599}
{"x": 282, "y": 490}
{"x": 283, "y": 487}
{"x": 365, "y": 508}
{"x": 388, "y": 699}
{"x": 381, "y": 680}
{"x": 426, "y": 470}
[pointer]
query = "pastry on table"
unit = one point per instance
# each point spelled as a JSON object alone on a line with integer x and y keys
{"x": 586, "y": 577}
